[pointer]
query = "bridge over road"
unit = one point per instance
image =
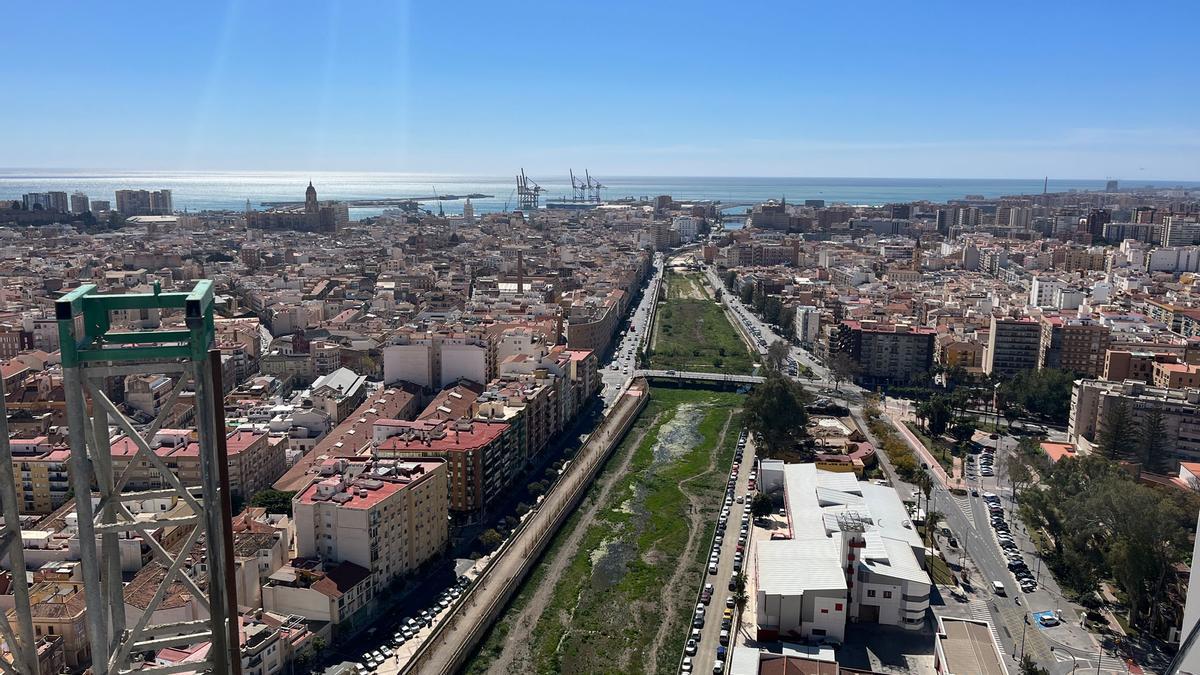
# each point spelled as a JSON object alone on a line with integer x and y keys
{"x": 694, "y": 376}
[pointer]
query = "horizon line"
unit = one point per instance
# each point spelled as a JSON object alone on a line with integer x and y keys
{"x": 611, "y": 175}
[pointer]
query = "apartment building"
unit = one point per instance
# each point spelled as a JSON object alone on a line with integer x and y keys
{"x": 1175, "y": 375}
{"x": 255, "y": 460}
{"x": 482, "y": 458}
{"x": 435, "y": 360}
{"x": 953, "y": 351}
{"x": 885, "y": 353}
{"x": 1092, "y": 401}
{"x": 1121, "y": 365}
{"x": 387, "y": 519}
{"x": 1014, "y": 346}
{"x": 147, "y": 394}
{"x": 1073, "y": 344}
{"x": 338, "y": 393}
{"x": 42, "y": 474}
{"x": 58, "y": 607}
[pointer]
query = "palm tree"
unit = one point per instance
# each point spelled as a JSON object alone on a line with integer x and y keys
{"x": 739, "y": 601}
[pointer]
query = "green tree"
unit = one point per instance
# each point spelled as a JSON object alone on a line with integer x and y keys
{"x": 775, "y": 412}
{"x": 739, "y": 602}
{"x": 962, "y": 431}
{"x": 739, "y": 582}
{"x": 777, "y": 353}
{"x": 1117, "y": 432}
{"x": 1152, "y": 442}
{"x": 274, "y": 501}
{"x": 787, "y": 323}
{"x": 1030, "y": 667}
{"x": 730, "y": 280}
{"x": 842, "y": 367}
{"x": 490, "y": 540}
{"x": 761, "y": 505}
{"x": 939, "y": 415}
{"x": 1045, "y": 393}
{"x": 746, "y": 294}
{"x": 1012, "y": 413}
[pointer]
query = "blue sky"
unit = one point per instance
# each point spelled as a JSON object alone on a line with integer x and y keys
{"x": 786, "y": 88}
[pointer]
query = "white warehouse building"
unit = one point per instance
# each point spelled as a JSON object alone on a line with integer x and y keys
{"x": 852, "y": 555}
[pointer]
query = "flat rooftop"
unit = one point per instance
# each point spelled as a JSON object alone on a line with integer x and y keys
{"x": 969, "y": 648}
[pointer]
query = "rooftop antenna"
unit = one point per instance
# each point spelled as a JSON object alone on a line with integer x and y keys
{"x": 1046, "y": 185}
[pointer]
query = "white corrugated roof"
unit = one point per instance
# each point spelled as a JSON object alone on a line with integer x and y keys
{"x": 901, "y": 562}
{"x": 829, "y": 497}
{"x": 794, "y": 566}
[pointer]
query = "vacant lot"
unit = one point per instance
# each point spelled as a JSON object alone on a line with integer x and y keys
{"x": 686, "y": 285}
{"x": 694, "y": 335}
{"x": 614, "y": 591}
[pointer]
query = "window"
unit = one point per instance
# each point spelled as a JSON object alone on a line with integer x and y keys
{"x": 870, "y": 593}
{"x": 887, "y": 594}
{"x": 837, "y": 607}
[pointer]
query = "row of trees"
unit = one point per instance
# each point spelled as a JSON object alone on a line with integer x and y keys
{"x": 1123, "y": 437}
{"x": 1101, "y": 523}
{"x": 898, "y": 452}
{"x": 769, "y": 307}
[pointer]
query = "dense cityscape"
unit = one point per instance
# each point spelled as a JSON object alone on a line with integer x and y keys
{"x": 950, "y": 437}
{"x": 620, "y": 338}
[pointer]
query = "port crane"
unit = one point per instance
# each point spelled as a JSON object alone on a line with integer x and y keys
{"x": 528, "y": 192}
{"x": 593, "y": 187}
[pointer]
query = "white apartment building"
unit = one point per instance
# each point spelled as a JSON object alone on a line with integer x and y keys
{"x": 1041, "y": 291}
{"x": 687, "y": 226}
{"x": 436, "y": 360}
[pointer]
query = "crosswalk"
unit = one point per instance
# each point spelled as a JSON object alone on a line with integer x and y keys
{"x": 1109, "y": 665}
{"x": 964, "y": 503}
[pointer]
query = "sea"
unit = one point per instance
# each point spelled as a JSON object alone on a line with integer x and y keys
{"x": 226, "y": 190}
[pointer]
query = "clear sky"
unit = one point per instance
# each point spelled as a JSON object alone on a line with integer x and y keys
{"x": 784, "y": 88}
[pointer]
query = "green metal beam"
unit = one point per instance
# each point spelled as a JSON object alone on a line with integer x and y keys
{"x": 96, "y": 310}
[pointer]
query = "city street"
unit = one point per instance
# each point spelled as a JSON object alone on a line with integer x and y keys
{"x": 619, "y": 369}
{"x": 710, "y": 634}
{"x": 984, "y": 562}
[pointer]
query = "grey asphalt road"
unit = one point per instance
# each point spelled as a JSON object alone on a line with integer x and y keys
{"x": 711, "y": 633}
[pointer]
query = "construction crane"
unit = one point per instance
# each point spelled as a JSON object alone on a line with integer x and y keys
{"x": 441, "y": 213}
{"x": 528, "y": 192}
{"x": 506, "y": 201}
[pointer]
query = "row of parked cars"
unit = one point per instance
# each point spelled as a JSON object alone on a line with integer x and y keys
{"x": 1016, "y": 562}
{"x": 714, "y": 562}
{"x": 408, "y": 627}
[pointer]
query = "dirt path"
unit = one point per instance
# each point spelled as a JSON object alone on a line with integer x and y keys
{"x": 695, "y": 526}
{"x": 515, "y": 658}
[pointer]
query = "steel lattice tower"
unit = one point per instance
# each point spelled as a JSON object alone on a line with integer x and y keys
{"x": 91, "y": 352}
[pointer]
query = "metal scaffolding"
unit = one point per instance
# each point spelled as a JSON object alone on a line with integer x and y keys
{"x": 92, "y": 352}
{"x": 23, "y": 644}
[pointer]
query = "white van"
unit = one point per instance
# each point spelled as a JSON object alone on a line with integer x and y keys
{"x": 998, "y": 588}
